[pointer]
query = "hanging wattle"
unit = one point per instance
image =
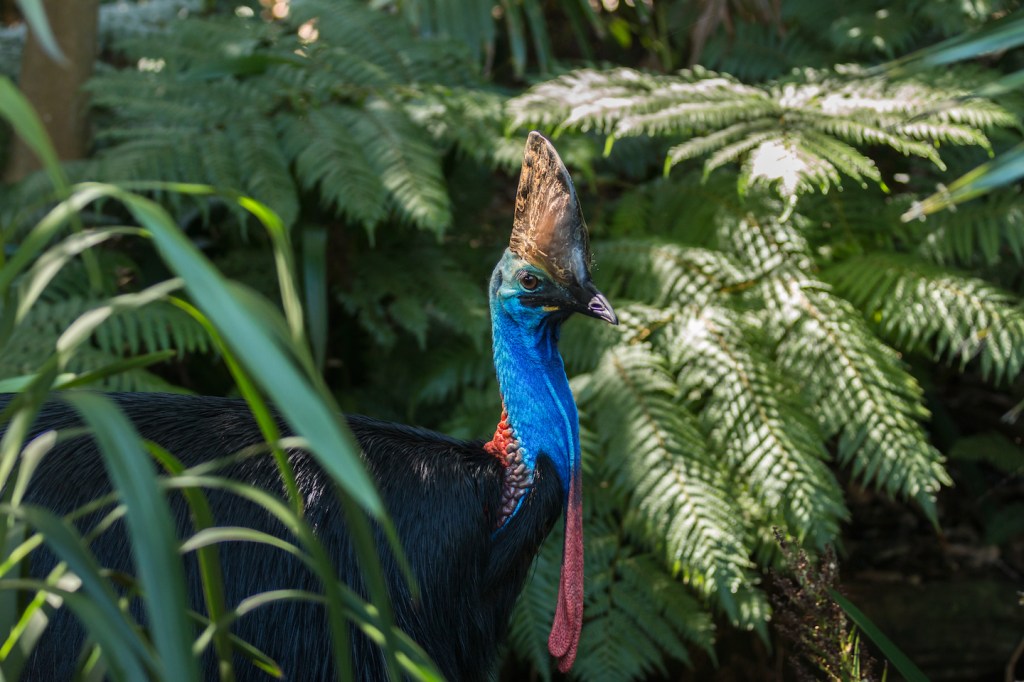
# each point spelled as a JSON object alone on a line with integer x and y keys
{"x": 565, "y": 631}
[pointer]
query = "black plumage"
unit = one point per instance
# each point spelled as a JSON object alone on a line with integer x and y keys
{"x": 469, "y": 576}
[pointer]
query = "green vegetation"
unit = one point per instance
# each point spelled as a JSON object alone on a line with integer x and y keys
{"x": 790, "y": 320}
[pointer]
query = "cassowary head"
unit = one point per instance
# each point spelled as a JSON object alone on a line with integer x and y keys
{"x": 542, "y": 278}
{"x": 544, "y": 275}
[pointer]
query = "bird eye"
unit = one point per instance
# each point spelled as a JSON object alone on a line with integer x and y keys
{"x": 529, "y": 282}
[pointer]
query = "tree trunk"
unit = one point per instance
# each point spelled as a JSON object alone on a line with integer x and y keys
{"x": 54, "y": 89}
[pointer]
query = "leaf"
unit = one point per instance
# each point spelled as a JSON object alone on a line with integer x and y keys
{"x": 17, "y": 110}
{"x": 152, "y": 533}
{"x": 99, "y": 612}
{"x": 1005, "y": 170}
{"x": 1004, "y": 34}
{"x": 661, "y": 462}
{"x": 899, "y": 660}
{"x": 916, "y": 304}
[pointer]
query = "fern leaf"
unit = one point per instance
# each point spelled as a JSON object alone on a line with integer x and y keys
{"x": 658, "y": 455}
{"x": 665, "y": 273}
{"x": 860, "y": 390}
{"x": 327, "y": 157}
{"x": 408, "y": 165}
{"x": 981, "y": 232}
{"x": 916, "y": 304}
{"x": 865, "y": 396}
{"x": 796, "y": 131}
{"x": 754, "y": 416}
{"x": 264, "y": 167}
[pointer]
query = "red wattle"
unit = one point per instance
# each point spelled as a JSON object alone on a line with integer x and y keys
{"x": 565, "y": 631}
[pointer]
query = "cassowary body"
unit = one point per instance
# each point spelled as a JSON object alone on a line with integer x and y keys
{"x": 470, "y": 515}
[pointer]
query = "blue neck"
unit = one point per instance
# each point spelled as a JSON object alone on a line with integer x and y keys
{"x": 535, "y": 390}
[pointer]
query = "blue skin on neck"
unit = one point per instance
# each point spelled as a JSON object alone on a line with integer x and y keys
{"x": 535, "y": 390}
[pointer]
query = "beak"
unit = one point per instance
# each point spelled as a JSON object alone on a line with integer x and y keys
{"x": 600, "y": 308}
{"x": 591, "y": 302}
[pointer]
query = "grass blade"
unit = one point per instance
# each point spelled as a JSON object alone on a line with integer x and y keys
{"x": 35, "y": 17}
{"x": 314, "y": 274}
{"x": 899, "y": 660}
{"x": 154, "y": 541}
{"x": 106, "y": 622}
{"x": 23, "y": 118}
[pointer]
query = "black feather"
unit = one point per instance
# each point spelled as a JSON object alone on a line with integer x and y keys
{"x": 443, "y": 496}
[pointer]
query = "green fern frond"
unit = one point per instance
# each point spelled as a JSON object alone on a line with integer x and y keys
{"x": 858, "y": 387}
{"x": 916, "y": 304}
{"x": 407, "y": 163}
{"x": 476, "y": 412}
{"x": 329, "y": 159}
{"x": 159, "y": 326}
{"x": 756, "y": 52}
{"x": 980, "y": 232}
{"x": 404, "y": 290}
{"x": 263, "y": 112}
{"x": 661, "y": 274}
{"x": 754, "y": 416}
{"x": 798, "y": 132}
{"x": 265, "y": 168}
{"x": 864, "y": 395}
{"x": 453, "y": 368}
{"x": 659, "y": 458}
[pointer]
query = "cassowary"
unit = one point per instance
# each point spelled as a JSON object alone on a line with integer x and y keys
{"x": 470, "y": 515}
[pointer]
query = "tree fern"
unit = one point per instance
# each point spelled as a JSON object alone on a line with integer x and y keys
{"x": 338, "y": 111}
{"x": 755, "y": 417}
{"x": 662, "y": 463}
{"x": 915, "y": 305}
{"x": 859, "y": 387}
{"x": 865, "y": 396}
{"x": 797, "y": 134}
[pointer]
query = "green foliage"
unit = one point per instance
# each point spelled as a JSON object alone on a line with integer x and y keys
{"x": 660, "y": 463}
{"x": 765, "y": 347}
{"x": 813, "y": 617}
{"x": 265, "y": 352}
{"x": 326, "y": 102}
{"x": 866, "y": 31}
{"x": 415, "y": 290}
{"x": 474, "y": 24}
{"x": 917, "y": 305}
{"x": 798, "y": 134}
{"x": 160, "y": 326}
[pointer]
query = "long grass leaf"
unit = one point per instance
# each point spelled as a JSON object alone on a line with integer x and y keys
{"x": 26, "y": 123}
{"x": 904, "y": 665}
{"x": 154, "y": 541}
{"x": 35, "y": 16}
{"x": 304, "y": 408}
{"x": 107, "y": 622}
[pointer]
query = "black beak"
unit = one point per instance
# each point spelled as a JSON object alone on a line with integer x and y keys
{"x": 600, "y": 308}
{"x": 592, "y": 303}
